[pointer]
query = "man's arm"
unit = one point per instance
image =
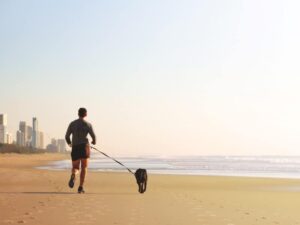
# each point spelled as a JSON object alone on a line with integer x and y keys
{"x": 91, "y": 132}
{"x": 68, "y": 133}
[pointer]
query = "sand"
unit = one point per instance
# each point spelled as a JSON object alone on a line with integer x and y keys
{"x": 32, "y": 196}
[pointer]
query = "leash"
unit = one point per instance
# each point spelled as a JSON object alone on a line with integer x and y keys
{"x": 140, "y": 174}
{"x": 112, "y": 159}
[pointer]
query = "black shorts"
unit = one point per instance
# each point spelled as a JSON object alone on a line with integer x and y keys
{"x": 79, "y": 152}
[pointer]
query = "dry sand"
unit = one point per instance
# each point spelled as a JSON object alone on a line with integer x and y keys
{"x": 37, "y": 197}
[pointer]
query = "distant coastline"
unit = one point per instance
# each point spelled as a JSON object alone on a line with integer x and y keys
{"x": 12, "y": 148}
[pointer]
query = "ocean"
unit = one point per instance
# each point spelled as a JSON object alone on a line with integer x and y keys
{"x": 244, "y": 166}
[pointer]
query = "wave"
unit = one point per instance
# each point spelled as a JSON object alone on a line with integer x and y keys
{"x": 253, "y": 166}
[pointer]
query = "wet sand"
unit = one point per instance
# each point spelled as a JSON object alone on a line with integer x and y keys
{"x": 33, "y": 196}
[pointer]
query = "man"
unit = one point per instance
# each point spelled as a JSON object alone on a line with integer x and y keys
{"x": 80, "y": 146}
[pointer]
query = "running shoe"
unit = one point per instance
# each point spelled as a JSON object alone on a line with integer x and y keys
{"x": 80, "y": 190}
{"x": 72, "y": 181}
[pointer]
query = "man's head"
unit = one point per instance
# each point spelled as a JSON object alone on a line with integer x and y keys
{"x": 82, "y": 112}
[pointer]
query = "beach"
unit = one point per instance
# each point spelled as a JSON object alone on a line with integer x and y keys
{"x": 33, "y": 196}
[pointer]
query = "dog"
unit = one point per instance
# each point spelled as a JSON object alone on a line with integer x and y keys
{"x": 141, "y": 179}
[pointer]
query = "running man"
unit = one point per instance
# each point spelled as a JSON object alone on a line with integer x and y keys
{"x": 80, "y": 146}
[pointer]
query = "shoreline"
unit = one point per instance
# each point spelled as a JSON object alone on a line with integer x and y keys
{"x": 99, "y": 166}
{"x": 43, "y": 167}
{"x": 36, "y": 197}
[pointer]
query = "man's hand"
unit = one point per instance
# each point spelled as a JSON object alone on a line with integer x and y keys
{"x": 93, "y": 142}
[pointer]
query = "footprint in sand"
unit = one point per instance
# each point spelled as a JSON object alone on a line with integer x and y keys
{"x": 21, "y": 221}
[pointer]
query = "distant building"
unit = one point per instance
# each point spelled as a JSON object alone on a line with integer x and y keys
{"x": 54, "y": 141}
{"x": 2, "y": 134}
{"x": 41, "y": 140}
{"x": 57, "y": 145}
{"x": 29, "y": 136}
{"x": 61, "y": 145}
{"x": 3, "y": 128}
{"x": 20, "y": 138}
{"x": 3, "y": 119}
{"x": 53, "y": 146}
{"x": 35, "y": 133}
{"x": 9, "y": 138}
{"x": 23, "y": 128}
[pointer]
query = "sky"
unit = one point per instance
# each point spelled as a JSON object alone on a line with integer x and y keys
{"x": 157, "y": 77}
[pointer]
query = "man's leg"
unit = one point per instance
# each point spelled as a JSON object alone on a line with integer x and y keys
{"x": 75, "y": 168}
{"x": 84, "y": 164}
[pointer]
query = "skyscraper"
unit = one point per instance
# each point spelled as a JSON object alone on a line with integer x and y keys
{"x": 20, "y": 138}
{"x": 23, "y": 129}
{"x": 35, "y": 133}
{"x": 2, "y": 134}
{"x": 29, "y": 136}
{"x": 3, "y": 119}
{"x": 3, "y": 128}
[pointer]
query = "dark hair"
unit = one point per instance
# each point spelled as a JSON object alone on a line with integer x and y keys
{"x": 82, "y": 112}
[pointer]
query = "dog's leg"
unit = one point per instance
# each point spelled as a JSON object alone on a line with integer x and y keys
{"x": 145, "y": 185}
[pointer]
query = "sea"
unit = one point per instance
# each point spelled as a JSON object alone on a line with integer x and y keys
{"x": 243, "y": 166}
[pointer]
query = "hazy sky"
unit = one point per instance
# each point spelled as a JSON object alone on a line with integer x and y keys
{"x": 157, "y": 77}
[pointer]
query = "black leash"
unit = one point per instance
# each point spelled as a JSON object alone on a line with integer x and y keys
{"x": 113, "y": 159}
{"x": 140, "y": 174}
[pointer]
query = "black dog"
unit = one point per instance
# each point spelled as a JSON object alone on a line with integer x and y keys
{"x": 141, "y": 179}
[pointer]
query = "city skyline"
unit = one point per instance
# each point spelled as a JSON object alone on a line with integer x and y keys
{"x": 27, "y": 136}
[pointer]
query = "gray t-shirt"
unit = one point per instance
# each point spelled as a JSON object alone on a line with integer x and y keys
{"x": 80, "y": 129}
